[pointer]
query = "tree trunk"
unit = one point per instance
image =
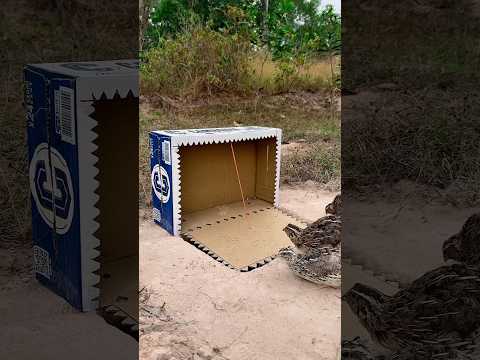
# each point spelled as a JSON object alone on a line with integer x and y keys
{"x": 144, "y": 12}
{"x": 265, "y": 19}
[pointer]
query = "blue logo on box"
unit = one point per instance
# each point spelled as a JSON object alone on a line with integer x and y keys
{"x": 51, "y": 187}
{"x": 161, "y": 183}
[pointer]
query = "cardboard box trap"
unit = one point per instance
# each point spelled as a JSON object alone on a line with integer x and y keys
{"x": 83, "y": 154}
{"x": 218, "y": 189}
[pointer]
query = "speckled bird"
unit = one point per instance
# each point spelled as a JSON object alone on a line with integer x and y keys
{"x": 357, "y": 349}
{"x": 325, "y": 231}
{"x": 433, "y": 318}
{"x": 335, "y": 207}
{"x": 465, "y": 245}
{"x": 321, "y": 266}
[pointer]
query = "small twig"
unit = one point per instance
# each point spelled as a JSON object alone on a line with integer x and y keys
{"x": 234, "y": 340}
{"x": 213, "y": 302}
{"x": 238, "y": 176}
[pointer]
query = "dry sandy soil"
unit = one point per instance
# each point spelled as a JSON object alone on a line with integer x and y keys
{"x": 37, "y": 324}
{"x": 196, "y": 308}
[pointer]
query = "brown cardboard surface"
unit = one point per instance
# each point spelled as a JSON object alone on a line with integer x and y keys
{"x": 212, "y": 209}
{"x": 219, "y": 213}
{"x": 120, "y": 285}
{"x": 238, "y": 237}
{"x": 266, "y": 169}
{"x": 118, "y": 176}
{"x": 209, "y": 178}
{"x": 117, "y": 154}
{"x": 208, "y": 174}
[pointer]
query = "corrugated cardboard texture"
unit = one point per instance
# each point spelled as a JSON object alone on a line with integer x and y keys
{"x": 209, "y": 178}
{"x": 118, "y": 198}
{"x": 118, "y": 177}
{"x": 266, "y": 169}
{"x": 240, "y": 237}
{"x": 221, "y": 213}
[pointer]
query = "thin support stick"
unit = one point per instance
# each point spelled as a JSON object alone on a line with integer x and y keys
{"x": 268, "y": 150}
{"x": 238, "y": 176}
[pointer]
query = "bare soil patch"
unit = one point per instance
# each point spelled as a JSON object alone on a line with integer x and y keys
{"x": 204, "y": 310}
{"x": 42, "y": 326}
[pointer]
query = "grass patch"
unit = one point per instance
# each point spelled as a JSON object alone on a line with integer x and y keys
{"x": 435, "y": 144}
{"x": 320, "y": 162}
{"x": 266, "y": 68}
{"x": 289, "y": 75}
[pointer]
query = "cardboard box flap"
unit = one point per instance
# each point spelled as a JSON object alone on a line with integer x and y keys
{"x": 241, "y": 238}
{"x": 216, "y": 135}
{"x": 91, "y": 68}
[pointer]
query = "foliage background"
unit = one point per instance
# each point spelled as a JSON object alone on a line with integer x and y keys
{"x": 286, "y": 27}
{"x": 194, "y": 48}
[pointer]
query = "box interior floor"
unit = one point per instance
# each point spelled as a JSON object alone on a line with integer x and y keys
{"x": 213, "y": 214}
{"x": 117, "y": 152}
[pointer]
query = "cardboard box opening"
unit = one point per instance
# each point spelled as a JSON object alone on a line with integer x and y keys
{"x": 218, "y": 189}
{"x": 117, "y": 152}
{"x": 209, "y": 176}
{"x": 214, "y": 217}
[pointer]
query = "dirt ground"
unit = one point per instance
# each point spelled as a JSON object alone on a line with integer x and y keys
{"x": 196, "y": 308}
{"x": 37, "y": 324}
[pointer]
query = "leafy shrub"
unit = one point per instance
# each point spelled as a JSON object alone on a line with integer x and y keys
{"x": 198, "y": 61}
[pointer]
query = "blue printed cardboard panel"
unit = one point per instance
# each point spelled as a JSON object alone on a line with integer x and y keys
{"x": 161, "y": 177}
{"x": 53, "y": 174}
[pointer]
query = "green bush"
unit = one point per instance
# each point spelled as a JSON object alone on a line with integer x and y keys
{"x": 286, "y": 28}
{"x": 198, "y": 61}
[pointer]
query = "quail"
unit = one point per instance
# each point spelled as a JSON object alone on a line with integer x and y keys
{"x": 434, "y": 316}
{"x": 322, "y": 266}
{"x": 464, "y": 246}
{"x": 335, "y": 207}
{"x": 358, "y": 349}
{"x": 325, "y": 231}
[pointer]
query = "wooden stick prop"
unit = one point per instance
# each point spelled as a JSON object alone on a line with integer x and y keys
{"x": 238, "y": 176}
{"x": 268, "y": 150}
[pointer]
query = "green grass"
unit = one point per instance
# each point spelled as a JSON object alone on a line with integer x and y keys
{"x": 319, "y": 163}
